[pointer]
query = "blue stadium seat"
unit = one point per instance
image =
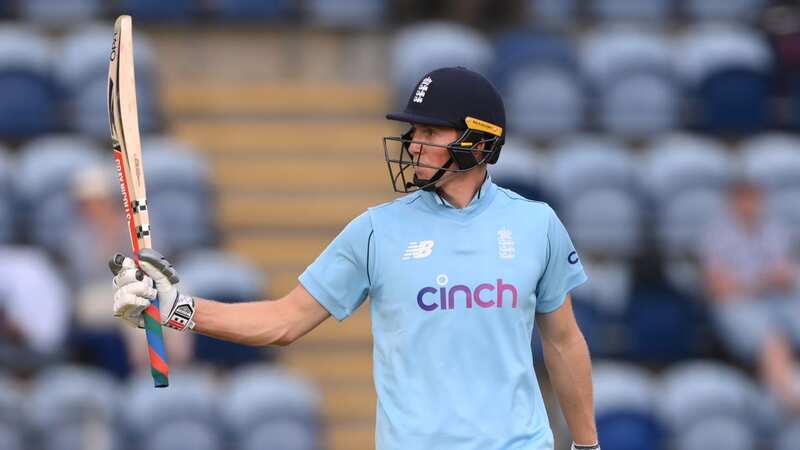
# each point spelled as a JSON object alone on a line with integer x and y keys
{"x": 640, "y": 104}
{"x": 679, "y": 162}
{"x": 516, "y": 50}
{"x": 730, "y": 10}
{"x": 519, "y": 169}
{"x": 182, "y": 221}
{"x": 683, "y": 219}
{"x": 630, "y": 431}
{"x": 622, "y": 49}
{"x": 218, "y": 275}
{"x": 192, "y": 396}
{"x": 772, "y": 160}
{"x": 609, "y": 286}
{"x": 175, "y": 166}
{"x": 650, "y": 10}
{"x": 363, "y": 14}
{"x": 11, "y": 406}
{"x": 157, "y": 10}
{"x": 43, "y": 163}
{"x": 604, "y": 222}
{"x": 420, "y": 48}
{"x": 66, "y": 401}
{"x": 718, "y": 432}
{"x": 622, "y": 386}
{"x": 584, "y": 162}
{"x": 734, "y": 101}
{"x": 59, "y": 12}
{"x": 7, "y": 206}
{"x": 260, "y": 395}
{"x": 552, "y": 13}
{"x": 710, "y": 48}
{"x": 186, "y": 434}
{"x": 29, "y": 94}
{"x": 281, "y": 434}
{"x": 695, "y": 391}
{"x": 247, "y": 10}
{"x": 544, "y": 101}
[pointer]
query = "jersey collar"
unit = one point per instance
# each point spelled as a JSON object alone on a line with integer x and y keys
{"x": 482, "y": 199}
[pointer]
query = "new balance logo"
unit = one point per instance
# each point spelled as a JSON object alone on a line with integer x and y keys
{"x": 416, "y": 250}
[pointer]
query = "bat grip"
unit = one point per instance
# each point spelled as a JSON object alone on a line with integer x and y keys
{"x": 159, "y": 364}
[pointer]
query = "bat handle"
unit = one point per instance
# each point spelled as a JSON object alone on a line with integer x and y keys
{"x": 159, "y": 364}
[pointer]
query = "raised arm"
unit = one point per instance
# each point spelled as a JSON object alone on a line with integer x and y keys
{"x": 566, "y": 357}
{"x": 278, "y": 322}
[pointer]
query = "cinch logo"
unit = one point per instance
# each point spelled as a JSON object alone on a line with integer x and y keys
{"x": 485, "y": 295}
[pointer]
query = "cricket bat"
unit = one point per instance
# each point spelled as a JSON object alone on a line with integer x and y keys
{"x": 127, "y": 147}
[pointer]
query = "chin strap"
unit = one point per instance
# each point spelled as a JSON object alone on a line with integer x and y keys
{"x": 430, "y": 183}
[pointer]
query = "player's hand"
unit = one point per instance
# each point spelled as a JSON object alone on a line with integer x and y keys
{"x": 133, "y": 290}
{"x": 177, "y": 310}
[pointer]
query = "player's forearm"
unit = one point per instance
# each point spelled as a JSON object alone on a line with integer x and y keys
{"x": 570, "y": 369}
{"x": 252, "y": 323}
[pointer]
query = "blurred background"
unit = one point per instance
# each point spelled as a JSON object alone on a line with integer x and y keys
{"x": 664, "y": 133}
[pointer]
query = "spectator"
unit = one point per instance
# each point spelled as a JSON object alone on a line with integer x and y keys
{"x": 751, "y": 278}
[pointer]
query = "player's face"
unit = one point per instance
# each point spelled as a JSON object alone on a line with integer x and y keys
{"x": 431, "y": 155}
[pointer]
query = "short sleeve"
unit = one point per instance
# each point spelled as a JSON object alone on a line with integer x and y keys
{"x": 338, "y": 279}
{"x": 563, "y": 269}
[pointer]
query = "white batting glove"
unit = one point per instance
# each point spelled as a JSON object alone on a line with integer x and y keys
{"x": 177, "y": 310}
{"x": 133, "y": 290}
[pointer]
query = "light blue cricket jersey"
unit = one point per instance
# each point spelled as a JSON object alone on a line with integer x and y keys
{"x": 454, "y": 292}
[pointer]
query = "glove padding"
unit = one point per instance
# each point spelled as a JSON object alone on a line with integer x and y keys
{"x": 133, "y": 290}
{"x": 176, "y": 310}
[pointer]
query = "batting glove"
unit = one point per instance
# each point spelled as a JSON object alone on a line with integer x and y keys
{"x": 133, "y": 290}
{"x": 177, "y": 310}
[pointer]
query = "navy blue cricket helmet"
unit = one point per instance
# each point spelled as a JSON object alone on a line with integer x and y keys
{"x": 453, "y": 97}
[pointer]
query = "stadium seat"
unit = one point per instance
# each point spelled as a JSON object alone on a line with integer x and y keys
{"x": 683, "y": 219}
{"x": 420, "y": 48}
{"x": 651, "y": 10}
{"x": 706, "y": 49}
{"x": 543, "y": 101}
{"x": 254, "y": 11}
{"x": 679, "y": 162}
{"x": 640, "y": 104}
{"x": 623, "y": 387}
{"x": 67, "y": 401}
{"x": 187, "y": 434}
{"x": 281, "y": 434}
{"x": 59, "y": 12}
{"x": 85, "y": 58}
{"x": 718, "y": 432}
{"x": 699, "y": 390}
{"x": 157, "y": 10}
{"x": 515, "y": 50}
{"x": 11, "y": 406}
{"x": 174, "y": 166}
{"x": 621, "y": 49}
{"x": 604, "y": 222}
{"x": 728, "y": 10}
{"x": 223, "y": 276}
{"x": 7, "y": 207}
{"x": 772, "y": 160}
{"x": 519, "y": 169}
{"x": 260, "y": 395}
{"x": 89, "y": 110}
{"x": 192, "y": 396}
{"x": 360, "y": 14}
{"x": 24, "y": 48}
{"x": 608, "y": 288}
{"x": 734, "y": 100}
{"x": 629, "y": 431}
{"x": 783, "y": 206}
{"x": 181, "y": 220}
{"x": 552, "y": 13}
{"x": 585, "y": 162}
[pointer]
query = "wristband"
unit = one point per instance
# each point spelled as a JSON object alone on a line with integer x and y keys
{"x": 180, "y": 317}
{"x": 585, "y": 447}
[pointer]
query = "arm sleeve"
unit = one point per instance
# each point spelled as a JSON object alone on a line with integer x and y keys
{"x": 563, "y": 269}
{"x": 338, "y": 279}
